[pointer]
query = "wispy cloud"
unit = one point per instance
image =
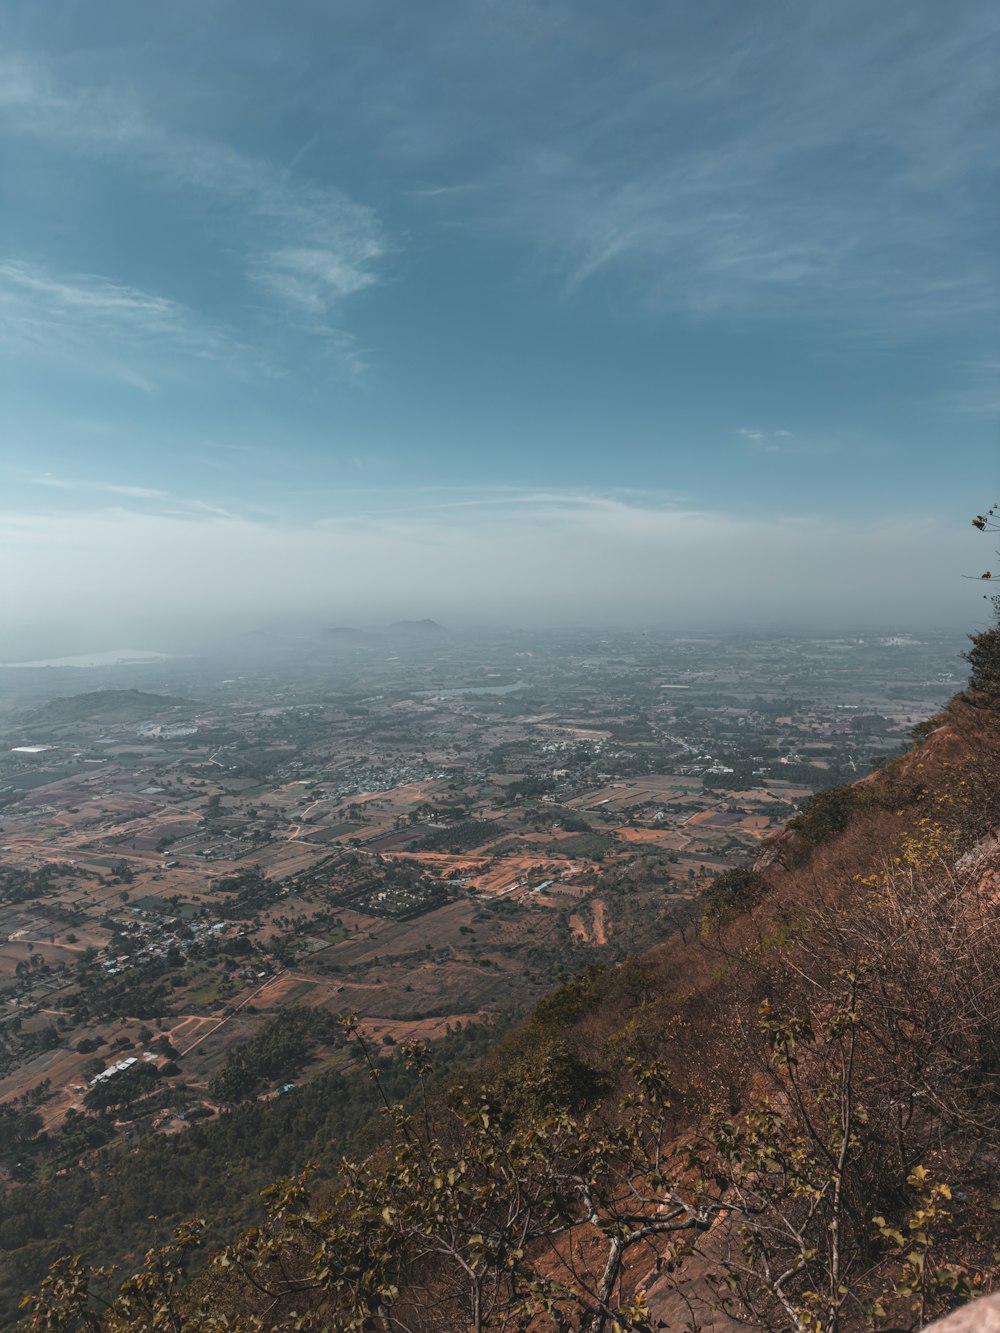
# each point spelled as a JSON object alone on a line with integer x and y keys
{"x": 105, "y": 327}
{"x": 832, "y": 162}
{"x": 157, "y": 502}
{"x": 306, "y": 246}
{"x": 442, "y": 191}
{"x": 103, "y": 487}
{"x": 316, "y": 279}
{"x": 431, "y": 506}
{"x": 782, "y": 442}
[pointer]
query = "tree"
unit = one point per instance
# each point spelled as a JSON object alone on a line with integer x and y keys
{"x": 984, "y": 663}
{"x": 984, "y": 655}
{"x": 421, "y": 1238}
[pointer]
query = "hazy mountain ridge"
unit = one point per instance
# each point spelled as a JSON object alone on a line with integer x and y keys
{"x": 408, "y": 629}
{"x": 109, "y": 705}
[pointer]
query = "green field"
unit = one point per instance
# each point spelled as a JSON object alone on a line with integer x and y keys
{"x": 310, "y": 944}
{"x": 586, "y": 844}
{"x": 209, "y": 994}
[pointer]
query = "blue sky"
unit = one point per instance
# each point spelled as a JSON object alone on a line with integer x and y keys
{"x": 547, "y": 310}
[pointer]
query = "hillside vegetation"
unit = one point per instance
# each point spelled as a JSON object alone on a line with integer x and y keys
{"x": 789, "y": 1121}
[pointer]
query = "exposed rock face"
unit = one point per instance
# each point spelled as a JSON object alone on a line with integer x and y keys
{"x": 976, "y": 1317}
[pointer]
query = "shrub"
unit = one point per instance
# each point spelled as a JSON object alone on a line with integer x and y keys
{"x": 923, "y": 729}
{"x": 984, "y": 660}
{"x": 826, "y": 815}
{"x": 740, "y": 887}
{"x": 573, "y": 1000}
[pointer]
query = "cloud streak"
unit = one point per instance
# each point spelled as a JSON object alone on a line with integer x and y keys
{"x": 782, "y": 443}
{"x": 103, "y": 487}
{"x": 105, "y": 327}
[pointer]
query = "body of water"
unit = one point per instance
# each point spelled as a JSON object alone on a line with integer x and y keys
{"x": 472, "y": 689}
{"x": 116, "y": 657}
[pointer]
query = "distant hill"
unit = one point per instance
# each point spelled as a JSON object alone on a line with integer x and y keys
{"x": 108, "y": 706}
{"x": 401, "y": 629}
{"x": 284, "y": 637}
{"x": 417, "y": 627}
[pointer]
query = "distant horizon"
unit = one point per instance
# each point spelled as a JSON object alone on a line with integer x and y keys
{"x": 158, "y": 650}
